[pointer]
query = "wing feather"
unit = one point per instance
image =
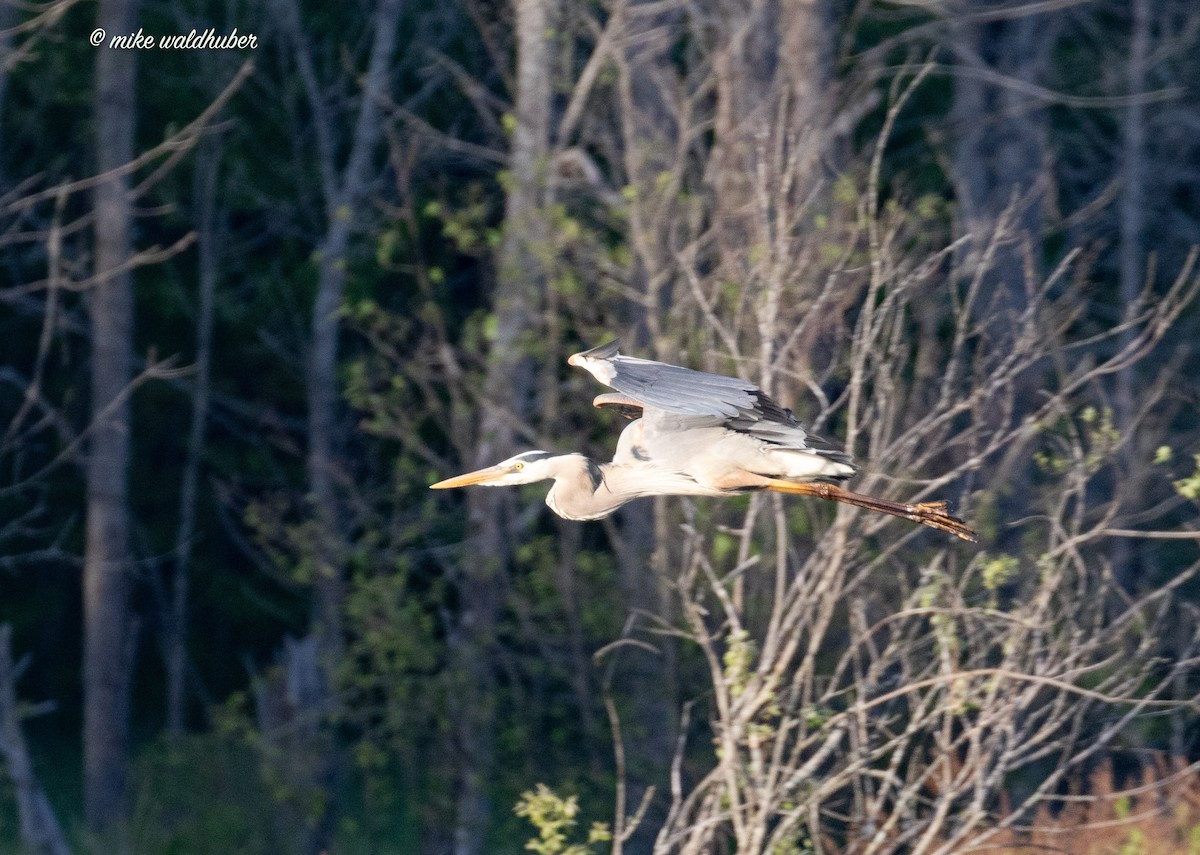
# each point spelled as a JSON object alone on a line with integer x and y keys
{"x": 623, "y": 405}
{"x": 706, "y": 398}
{"x": 668, "y": 387}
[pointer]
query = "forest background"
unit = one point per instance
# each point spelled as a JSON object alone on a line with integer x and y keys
{"x": 253, "y": 301}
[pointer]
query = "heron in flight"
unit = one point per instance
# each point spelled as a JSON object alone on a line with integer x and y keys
{"x": 692, "y": 434}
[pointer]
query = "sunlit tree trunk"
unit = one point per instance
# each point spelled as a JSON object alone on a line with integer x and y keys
{"x": 509, "y": 383}
{"x": 771, "y": 75}
{"x": 106, "y": 655}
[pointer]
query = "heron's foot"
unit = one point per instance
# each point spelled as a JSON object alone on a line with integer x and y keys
{"x": 935, "y": 515}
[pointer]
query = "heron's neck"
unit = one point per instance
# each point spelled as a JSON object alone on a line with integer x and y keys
{"x": 579, "y": 491}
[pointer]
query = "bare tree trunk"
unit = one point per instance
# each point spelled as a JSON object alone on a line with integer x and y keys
{"x": 106, "y": 560}
{"x": 1132, "y": 213}
{"x": 1133, "y": 144}
{"x": 807, "y": 39}
{"x": 510, "y": 382}
{"x": 8, "y": 17}
{"x": 343, "y": 195}
{"x": 1001, "y": 150}
{"x": 288, "y": 704}
{"x": 652, "y": 126}
{"x": 41, "y": 833}
{"x": 176, "y": 619}
{"x": 310, "y": 760}
{"x": 999, "y": 179}
{"x": 775, "y": 67}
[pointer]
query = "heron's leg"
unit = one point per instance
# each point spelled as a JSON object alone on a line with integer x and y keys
{"x": 932, "y": 514}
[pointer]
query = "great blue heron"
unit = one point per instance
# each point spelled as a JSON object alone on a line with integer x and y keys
{"x": 693, "y": 434}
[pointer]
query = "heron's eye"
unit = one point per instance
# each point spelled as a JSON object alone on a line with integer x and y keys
{"x": 517, "y": 467}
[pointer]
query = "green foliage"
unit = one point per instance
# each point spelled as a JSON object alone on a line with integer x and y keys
{"x": 1135, "y": 844}
{"x": 740, "y": 653}
{"x": 554, "y": 818}
{"x": 802, "y": 845}
{"x": 207, "y": 793}
{"x": 1089, "y": 440}
{"x": 999, "y": 570}
{"x": 1189, "y": 487}
{"x": 203, "y": 794}
{"x": 391, "y": 655}
{"x": 467, "y": 225}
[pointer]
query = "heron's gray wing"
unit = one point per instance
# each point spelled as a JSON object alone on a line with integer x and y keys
{"x": 707, "y": 399}
{"x": 668, "y": 387}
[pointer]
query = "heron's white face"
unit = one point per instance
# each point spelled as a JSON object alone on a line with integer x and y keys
{"x": 524, "y": 468}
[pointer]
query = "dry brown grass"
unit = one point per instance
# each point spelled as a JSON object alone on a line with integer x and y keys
{"x": 1156, "y": 813}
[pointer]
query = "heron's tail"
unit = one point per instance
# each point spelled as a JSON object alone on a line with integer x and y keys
{"x": 932, "y": 514}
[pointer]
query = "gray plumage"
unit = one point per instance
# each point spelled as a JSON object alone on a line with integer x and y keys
{"x": 677, "y": 402}
{"x": 692, "y": 434}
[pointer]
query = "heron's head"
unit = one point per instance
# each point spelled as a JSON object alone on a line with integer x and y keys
{"x": 524, "y": 468}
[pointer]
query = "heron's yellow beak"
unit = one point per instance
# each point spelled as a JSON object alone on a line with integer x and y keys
{"x": 479, "y": 476}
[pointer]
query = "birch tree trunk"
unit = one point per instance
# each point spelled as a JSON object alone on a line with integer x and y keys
{"x": 106, "y": 660}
